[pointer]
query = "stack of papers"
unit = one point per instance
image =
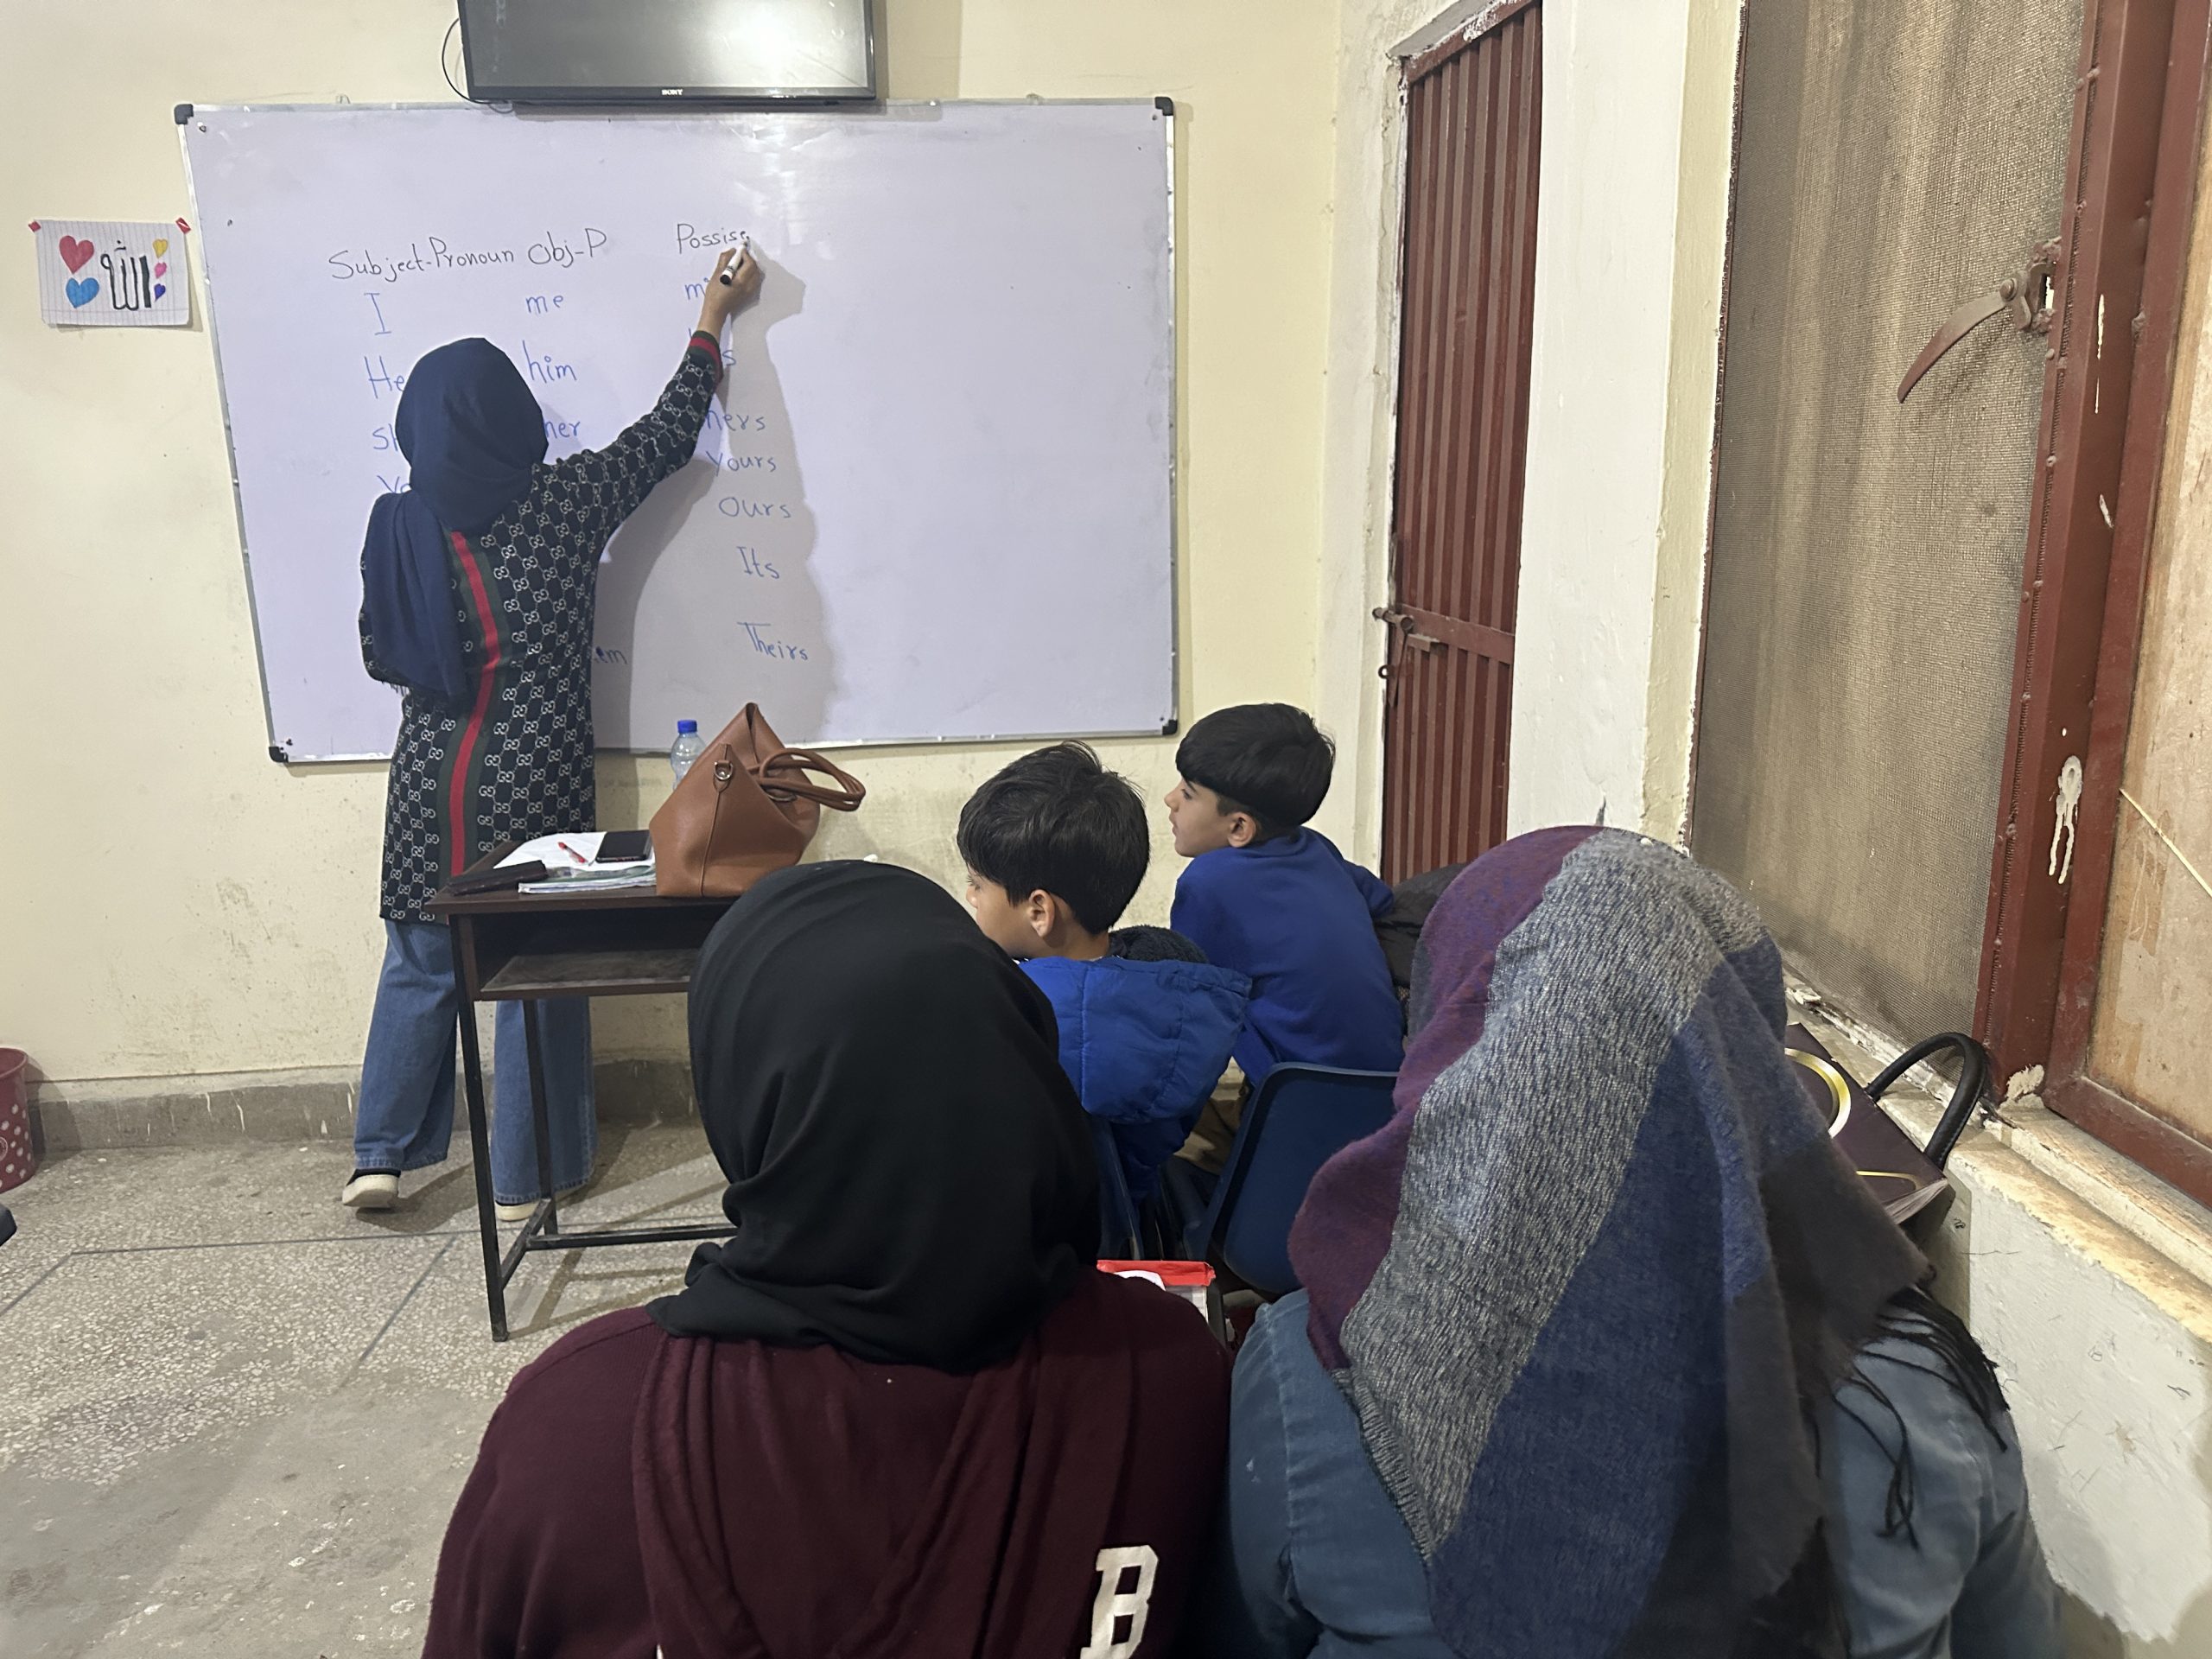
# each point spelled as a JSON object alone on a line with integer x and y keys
{"x": 572, "y": 866}
{"x": 593, "y": 880}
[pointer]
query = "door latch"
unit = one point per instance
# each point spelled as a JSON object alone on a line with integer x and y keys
{"x": 1403, "y": 636}
{"x": 2027, "y": 298}
{"x": 1408, "y": 634}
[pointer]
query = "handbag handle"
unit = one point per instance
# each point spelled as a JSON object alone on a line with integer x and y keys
{"x": 845, "y": 798}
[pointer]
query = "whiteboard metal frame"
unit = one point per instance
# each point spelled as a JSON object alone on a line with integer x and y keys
{"x": 187, "y": 113}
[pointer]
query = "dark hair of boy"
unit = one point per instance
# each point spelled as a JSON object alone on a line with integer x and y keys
{"x": 1057, "y": 821}
{"x": 1268, "y": 760}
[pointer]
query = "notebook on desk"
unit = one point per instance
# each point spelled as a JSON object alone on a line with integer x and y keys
{"x": 581, "y": 860}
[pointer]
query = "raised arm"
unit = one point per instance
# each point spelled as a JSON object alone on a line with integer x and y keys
{"x": 617, "y": 478}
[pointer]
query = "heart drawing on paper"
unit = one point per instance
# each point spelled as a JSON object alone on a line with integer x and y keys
{"x": 74, "y": 253}
{"x": 160, "y": 289}
{"x": 162, "y": 269}
{"x": 83, "y": 290}
{"x": 161, "y": 246}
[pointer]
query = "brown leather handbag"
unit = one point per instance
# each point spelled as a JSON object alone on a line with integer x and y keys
{"x": 746, "y": 807}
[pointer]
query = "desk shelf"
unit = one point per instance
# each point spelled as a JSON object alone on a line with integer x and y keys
{"x": 589, "y": 973}
{"x": 516, "y": 947}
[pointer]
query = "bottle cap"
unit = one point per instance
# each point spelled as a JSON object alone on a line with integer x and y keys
{"x": 684, "y": 726}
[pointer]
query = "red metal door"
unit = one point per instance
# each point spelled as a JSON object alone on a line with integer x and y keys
{"x": 1472, "y": 111}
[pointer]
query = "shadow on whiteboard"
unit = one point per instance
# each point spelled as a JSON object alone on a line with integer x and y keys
{"x": 707, "y": 600}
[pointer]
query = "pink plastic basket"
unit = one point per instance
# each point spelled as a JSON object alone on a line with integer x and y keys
{"x": 18, "y": 1163}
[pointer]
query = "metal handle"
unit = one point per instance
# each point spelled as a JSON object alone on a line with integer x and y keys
{"x": 2028, "y": 298}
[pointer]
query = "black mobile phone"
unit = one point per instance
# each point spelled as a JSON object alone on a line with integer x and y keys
{"x": 624, "y": 847}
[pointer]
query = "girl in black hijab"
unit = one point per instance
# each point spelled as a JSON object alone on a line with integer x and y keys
{"x": 900, "y": 1412}
{"x": 911, "y": 1173}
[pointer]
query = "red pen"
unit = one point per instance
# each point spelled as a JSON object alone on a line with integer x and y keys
{"x": 572, "y": 852}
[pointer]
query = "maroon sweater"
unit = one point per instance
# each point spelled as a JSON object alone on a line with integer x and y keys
{"x": 637, "y": 1491}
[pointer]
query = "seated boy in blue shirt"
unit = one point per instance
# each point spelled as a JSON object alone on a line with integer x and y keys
{"x": 1055, "y": 846}
{"x": 1276, "y": 901}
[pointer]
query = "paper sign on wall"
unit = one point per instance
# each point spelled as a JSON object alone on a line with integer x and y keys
{"x": 108, "y": 274}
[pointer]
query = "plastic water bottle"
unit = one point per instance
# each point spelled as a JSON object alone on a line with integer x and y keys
{"x": 689, "y": 746}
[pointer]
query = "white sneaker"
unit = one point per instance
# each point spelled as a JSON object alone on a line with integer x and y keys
{"x": 373, "y": 1189}
{"x": 528, "y": 1208}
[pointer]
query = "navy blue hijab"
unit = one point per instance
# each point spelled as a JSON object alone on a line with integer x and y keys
{"x": 471, "y": 432}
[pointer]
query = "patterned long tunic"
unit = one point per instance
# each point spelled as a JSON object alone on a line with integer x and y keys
{"x": 516, "y": 760}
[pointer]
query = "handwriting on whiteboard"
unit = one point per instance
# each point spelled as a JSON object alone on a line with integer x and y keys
{"x": 691, "y": 239}
{"x": 428, "y": 255}
{"x": 765, "y": 640}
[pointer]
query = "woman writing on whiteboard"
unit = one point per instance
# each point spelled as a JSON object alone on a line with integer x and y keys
{"x": 478, "y": 589}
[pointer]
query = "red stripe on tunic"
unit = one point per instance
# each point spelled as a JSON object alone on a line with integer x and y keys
{"x": 471, "y": 734}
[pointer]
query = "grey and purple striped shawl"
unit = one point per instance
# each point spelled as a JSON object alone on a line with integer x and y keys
{"x": 1586, "y": 1286}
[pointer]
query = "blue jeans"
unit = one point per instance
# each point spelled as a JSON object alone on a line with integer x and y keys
{"x": 404, "y": 1117}
{"x": 1312, "y": 1557}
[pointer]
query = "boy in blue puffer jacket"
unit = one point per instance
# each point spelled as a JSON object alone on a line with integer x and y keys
{"x": 1055, "y": 846}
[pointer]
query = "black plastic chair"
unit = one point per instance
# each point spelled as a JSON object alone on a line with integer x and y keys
{"x": 1118, "y": 1232}
{"x": 1300, "y": 1117}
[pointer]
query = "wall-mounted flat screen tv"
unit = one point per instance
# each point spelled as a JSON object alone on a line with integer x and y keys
{"x": 669, "y": 51}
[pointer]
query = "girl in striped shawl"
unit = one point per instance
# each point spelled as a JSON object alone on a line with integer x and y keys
{"x": 1604, "y": 1350}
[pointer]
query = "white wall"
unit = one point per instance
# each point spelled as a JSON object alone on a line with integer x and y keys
{"x": 2107, "y": 1350}
{"x": 1360, "y": 382}
{"x": 1620, "y": 399}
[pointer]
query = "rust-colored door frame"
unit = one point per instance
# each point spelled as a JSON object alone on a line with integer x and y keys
{"x": 1467, "y": 253}
{"x": 2138, "y": 131}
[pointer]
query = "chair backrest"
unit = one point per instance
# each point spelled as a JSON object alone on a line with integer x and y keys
{"x": 1117, "y": 1212}
{"x": 1300, "y": 1117}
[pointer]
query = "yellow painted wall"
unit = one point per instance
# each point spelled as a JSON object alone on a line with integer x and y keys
{"x": 171, "y": 903}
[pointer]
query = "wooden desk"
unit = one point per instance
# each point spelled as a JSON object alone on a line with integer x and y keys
{"x": 518, "y": 947}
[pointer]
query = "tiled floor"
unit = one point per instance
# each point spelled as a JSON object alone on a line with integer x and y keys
{"x": 234, "y": 1416}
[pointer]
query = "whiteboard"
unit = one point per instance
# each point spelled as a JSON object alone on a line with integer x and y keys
{"x": 934, "y": 499}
